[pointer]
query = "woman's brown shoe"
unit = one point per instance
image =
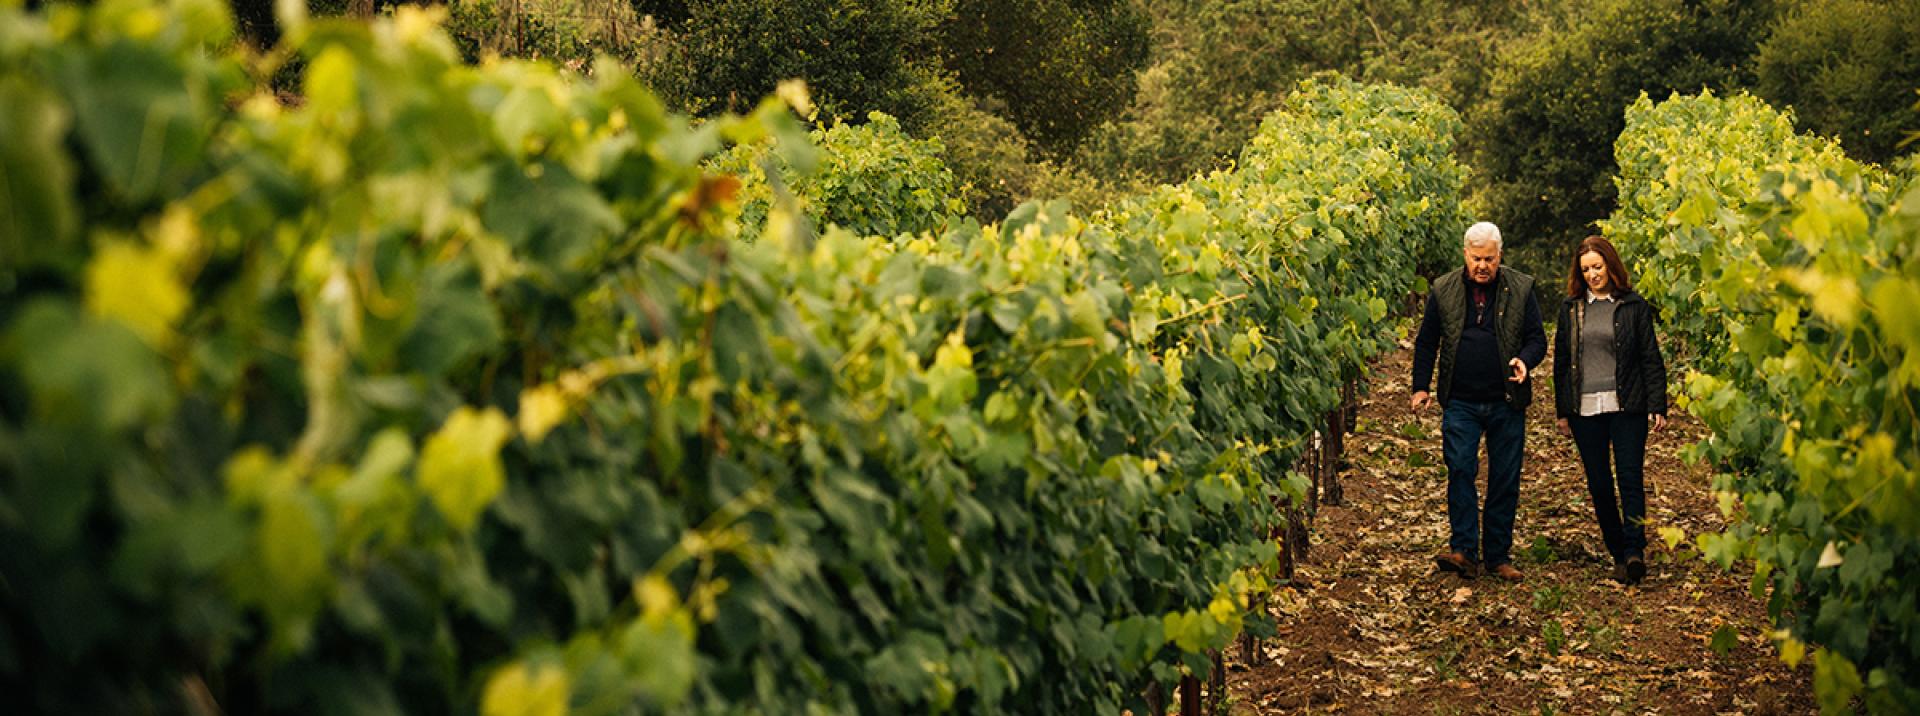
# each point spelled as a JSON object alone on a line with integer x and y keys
{"x": 1507, "y": 572}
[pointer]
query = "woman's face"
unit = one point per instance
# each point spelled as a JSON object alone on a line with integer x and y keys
{"x": 1594, "y": 270}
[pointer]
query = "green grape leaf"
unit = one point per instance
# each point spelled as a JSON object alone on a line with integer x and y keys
{"x": 37, "y": 210}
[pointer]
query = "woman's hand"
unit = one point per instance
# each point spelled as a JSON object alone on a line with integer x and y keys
{"x": 1565, "y": 429}
{"x": 1659, "y": 422}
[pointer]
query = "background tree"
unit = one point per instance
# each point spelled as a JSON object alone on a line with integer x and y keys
{"x": 1543, "y": 142}
{"x": 568, "y": 32}
{"x": 1095, "y": 99}
{"x": 1060, "y": 68}
{"x": 254, "y": 21}
{"x": 1849, "y": 69}
{"x": 1217, "y": 68}
{"x": 855, "y": 56}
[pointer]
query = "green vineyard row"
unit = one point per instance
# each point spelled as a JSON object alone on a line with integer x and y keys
{"x": 448, "y": 388}
{"x": 1793, "y": 275}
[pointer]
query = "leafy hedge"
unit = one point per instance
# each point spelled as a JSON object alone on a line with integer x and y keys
{"x": 1794, "y": 274}
{"x": 1346, "y": 194}
{"x": 447, "y": 389}
{"x": 871, "y": 179}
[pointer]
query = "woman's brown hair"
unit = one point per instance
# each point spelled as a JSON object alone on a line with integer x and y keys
{"x": 1616, "y": 271}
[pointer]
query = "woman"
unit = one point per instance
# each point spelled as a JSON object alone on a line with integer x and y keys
{"x": 1609, "y": 381}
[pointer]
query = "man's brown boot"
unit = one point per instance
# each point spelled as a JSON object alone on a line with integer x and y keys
{"x": 1507, "y": 572}
{"x": 1457, "y": 563}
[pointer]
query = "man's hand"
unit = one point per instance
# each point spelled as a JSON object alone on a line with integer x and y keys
{"x": 1519, "y": 371}
{"x": 1565, "y": 429}
{"x": 1421, "y": 399}
{"x": 1659, "y": 422}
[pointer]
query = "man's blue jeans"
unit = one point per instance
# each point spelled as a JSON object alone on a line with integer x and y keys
{"x": 1461, "y": 426}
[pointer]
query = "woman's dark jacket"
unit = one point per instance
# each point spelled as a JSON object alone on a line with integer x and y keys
{"x": 1640, "y": 372}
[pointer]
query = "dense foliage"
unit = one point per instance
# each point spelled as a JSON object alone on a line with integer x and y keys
{"x": 997, "y": 168}
{"x": 1008, "y": 87}
{"x": 569, "y": 32}
{"x": 1218, "y": 68}
{"x": 1059, "y": 68}
{"x": 1793, "y": 273}
{"x": 1545, "y": 136}
{"x": 449, "y": 388}
{"x": 857, "y": 57}
{"x": 1095, "y": 100}
{"x": 1291, "y": 235}
{"x": 1849, "y": 69}
{"x": 871, "y": 179}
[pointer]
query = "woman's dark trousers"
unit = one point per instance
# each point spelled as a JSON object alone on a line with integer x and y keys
{"x": 1623, "y": 437}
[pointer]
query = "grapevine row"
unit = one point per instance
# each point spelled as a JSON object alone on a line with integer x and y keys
{"x": 1793, "y": 274}
{"x": 453, "y": 386}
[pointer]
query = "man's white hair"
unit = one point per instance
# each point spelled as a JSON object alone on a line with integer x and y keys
{"x": 1484, "y": 231}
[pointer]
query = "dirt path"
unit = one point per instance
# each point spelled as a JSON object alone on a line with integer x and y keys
{"x": 1377, "y": 629}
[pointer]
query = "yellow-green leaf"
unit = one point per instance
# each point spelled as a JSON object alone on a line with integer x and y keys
{"x": 1896, "y": 301}
{"x": 253, "y": 474}
{"x": 1222, "y": 610}
{"x": 1836, "y": 299}
{"x": 1792, "y": 650}
{"x": 1784, "y": 322}
{"x": 292, "y": 545}
{"x": 331, "y": 83}
{"x": 522, "y": 690}
{"x": 136, "y": 285}
{"x": 460, "y": 467}
{"x": 541, "y": 409}
{"x": 1673, "y": 536}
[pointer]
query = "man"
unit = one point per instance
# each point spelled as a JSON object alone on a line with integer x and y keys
{"x": 1483, "y": 324}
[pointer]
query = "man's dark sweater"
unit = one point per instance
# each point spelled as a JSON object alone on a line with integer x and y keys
{"x": 1479, "y": 374}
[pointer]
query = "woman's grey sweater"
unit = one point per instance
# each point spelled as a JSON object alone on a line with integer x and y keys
{"x": 1597, "y": 373}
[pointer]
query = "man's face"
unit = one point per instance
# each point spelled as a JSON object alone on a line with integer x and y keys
{"x": 1483, "y": 259}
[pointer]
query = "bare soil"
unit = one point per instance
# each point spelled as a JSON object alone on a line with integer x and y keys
{"x": 1373, "y": 627}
